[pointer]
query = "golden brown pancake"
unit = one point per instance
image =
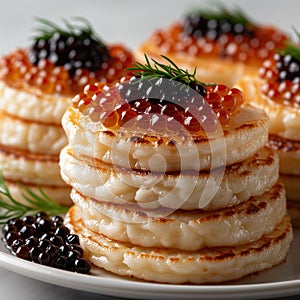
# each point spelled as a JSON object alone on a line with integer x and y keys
{"x": 185, "y": 190}
{"x": 34, "y": 137}
{"x": 243, "y": 136}
{"x": 185, "y": 230}
{"x": 210, "y": 265}
{"x": 27, "y": 167}
{"x": 32, "y": 104}
{"x": 289, "y": 154}
{"x": 60, "y": 194}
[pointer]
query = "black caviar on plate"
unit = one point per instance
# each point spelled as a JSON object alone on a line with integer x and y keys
{"x": 45, "y": 240}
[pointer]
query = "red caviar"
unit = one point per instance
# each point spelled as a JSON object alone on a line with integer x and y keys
{"x": 105, "y": 104}
{"x": 286, "y": 92}
{"x": 244, "y": 48}
{"x": 17, "y": 71}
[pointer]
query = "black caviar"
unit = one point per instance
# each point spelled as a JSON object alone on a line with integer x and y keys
{"x": 45, "y": 240}
{"x": 288, "y": 67}
{"x": 214, "y": 27}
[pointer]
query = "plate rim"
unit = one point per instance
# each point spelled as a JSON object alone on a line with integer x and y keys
{"x": 147, "y": 290}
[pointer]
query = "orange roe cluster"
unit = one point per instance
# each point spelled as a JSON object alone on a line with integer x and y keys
{"x": 241, "y": 47}
{"x": 285, "y": 92}
{"x": 17, "y": 71}
{"x": 103, "y": 103}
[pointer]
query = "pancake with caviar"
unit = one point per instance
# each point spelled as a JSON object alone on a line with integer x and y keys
{"x": 159, "y": 135}
{"x": 172, "y": 180}
{"x": 37, "y": 84}
{"x": 276, "y": 89}
{"x": 224, "y": 44}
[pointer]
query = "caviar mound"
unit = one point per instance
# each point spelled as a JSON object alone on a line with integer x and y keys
{"x": 73, "y": 48}
{"x": 37, "y": 84}
{"x": 17, "y": 71}
{"x": 276, "y": 89}
{"x": 164, "y": 112}
{"x": 108, "y": 105}
{"x": 224, "y": 46}
{"x": 281, "y": 80}
{"x": 45, "y": 240}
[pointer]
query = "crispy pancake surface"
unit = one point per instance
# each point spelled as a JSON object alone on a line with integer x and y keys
{"x": 34, "y": 137}
{"x": 185, "y": 230}
{"x": 184, "y": 190}
{"x": 32, "y": 104}
{"x": 289, "y": 154}
{"x": 244, "y": 135}
{"x": 23, "y": 166}
{"x": 60, "y": 194}
{"x": 210, "y": 265}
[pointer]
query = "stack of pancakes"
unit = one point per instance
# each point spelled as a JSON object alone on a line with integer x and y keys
{"x": 151, "y": 206}
{"x": 31, "y": 138}
{"x": 284, "y": 138}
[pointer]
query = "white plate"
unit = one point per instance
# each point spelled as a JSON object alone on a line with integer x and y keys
{"x": 283, "y": 280}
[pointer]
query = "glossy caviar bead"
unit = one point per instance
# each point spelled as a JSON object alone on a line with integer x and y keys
{"x": 23, "y": 252}
{"x": 77, "y": 248}
{"x": 72, "y": 239}
{"x": 44, "y": 258}
{"x": 82, "y": 266}
{"x": 26, "y": 231}
{"x": 57, "y": 219}
{"x": 9, "y": 228}
{"x": 57, "y": 241}
{"x": 65, "y": 249}
{"x": 18, "y": 223}
{"x": 61, "y": 262}
{"x": 35, "y": 252}
{"x": 16, "y": 244}
{"x": 47, "y": 236}
{"x": 44, "y": 224}
{"x": 44, "y": 244}
{"x": 28, "y": 220}
{"x": 62, "y": 231}
{"x": 53, "y": 251}
{"x": 74, "y": 254}
{"x": 31, "y": 241}
{"x": 10, "y": 237}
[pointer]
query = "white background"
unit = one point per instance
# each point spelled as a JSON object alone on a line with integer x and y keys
{"x": 129, "y": 22}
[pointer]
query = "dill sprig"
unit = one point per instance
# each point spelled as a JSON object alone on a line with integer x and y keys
{"x": 291, "y": 48}
{"x": 35, "y": 202}
{"x": 47, "y": 29}
{"x": 169, "y": 71}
